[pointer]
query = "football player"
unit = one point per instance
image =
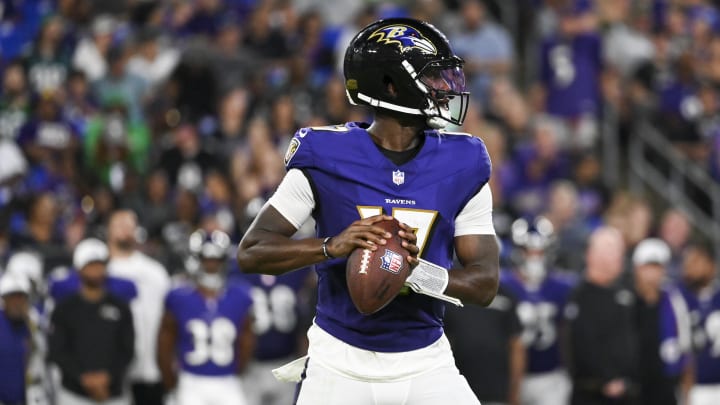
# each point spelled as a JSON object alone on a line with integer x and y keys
{"x": 206, "y": 330}
{"x": 542, "y": 297}
{"x": 282, "y": 310}
{"x": 351, "y": 176}
{"x": 699, "y": 286}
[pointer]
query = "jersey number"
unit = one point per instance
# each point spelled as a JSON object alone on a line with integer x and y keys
{"x": 420, "y": 220}
{"x": 274, "y": 309}
{"x": 538, "y": 322}
{"x": 213, "y": 342}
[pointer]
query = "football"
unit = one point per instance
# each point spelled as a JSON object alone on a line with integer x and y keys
{"x": 374, "y": 278}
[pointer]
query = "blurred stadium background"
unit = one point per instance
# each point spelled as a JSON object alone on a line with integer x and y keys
{"x": 594, "y": 112}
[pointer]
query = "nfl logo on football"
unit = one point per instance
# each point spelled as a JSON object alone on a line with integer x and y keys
{"x": 398, "y": 177}
{"x": 391, "y": 261}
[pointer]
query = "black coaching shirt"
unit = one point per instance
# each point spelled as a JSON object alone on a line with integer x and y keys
{"x": 92, "y": 336}
{"x": 602, "y": 338}
{"x": 480, "y": 338}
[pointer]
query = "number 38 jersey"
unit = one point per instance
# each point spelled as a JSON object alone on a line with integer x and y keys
{"x": 208, "y": 329}
{"x": 351, "y": 179}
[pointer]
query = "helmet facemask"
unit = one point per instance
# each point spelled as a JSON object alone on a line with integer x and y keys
{"x": 210, "y": 254}
{"x": 443, "y": 84}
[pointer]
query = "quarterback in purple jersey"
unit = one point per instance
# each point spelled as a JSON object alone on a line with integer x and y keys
{"x": 541, "y": 298}
{"x": 206, "y": 330}
{"x": 348, "y": 178}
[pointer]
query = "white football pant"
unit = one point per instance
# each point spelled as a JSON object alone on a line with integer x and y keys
{"x": 206, "y": 390}
{"x": 551, "y": 388}
{"x": 706, "y": 394}
{"x": 339, "y": 374}
{"x": 262, "y": 388}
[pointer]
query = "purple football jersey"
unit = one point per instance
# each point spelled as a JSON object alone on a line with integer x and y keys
{"x": 540, "y": 312}
{"x": 674, "y": 336}
{"x": 351, "y": 178}
{"x": 208, "y": 329}
{"x": 278, "y": 310}
{"x": 570, "y": 70}
{"x": 705, "y": 320}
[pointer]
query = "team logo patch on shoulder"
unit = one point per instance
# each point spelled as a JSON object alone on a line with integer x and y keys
{"x": 292, "y": 148}
{"x": 391, "y": 261}
{"x": 404, "y": 37}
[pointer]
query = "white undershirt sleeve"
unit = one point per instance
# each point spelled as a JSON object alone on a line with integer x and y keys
{"x": 476, "y": 217}
{"x": 294, "y": 198}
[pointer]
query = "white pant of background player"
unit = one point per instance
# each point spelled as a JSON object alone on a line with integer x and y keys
{"x": 340, "y": 374}
{"x": 551, "y": 388}
{"x": 262, "y": 388}
{"x": 204, "y": 390}
{"x": 704, "y": 394}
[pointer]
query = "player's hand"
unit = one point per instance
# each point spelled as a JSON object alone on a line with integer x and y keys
{"x": 409, "y": 243}
{"x": 615, "y": 388}
{"x": 96, "y": 384}
{"x": 360, "y": 234}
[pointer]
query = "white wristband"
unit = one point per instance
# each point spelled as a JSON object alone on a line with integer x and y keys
{"x": 432, "y": 280}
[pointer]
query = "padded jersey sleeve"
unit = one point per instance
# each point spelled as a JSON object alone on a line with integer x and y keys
{"x": 476, "y": 217}
{"x": 294, "y": 198}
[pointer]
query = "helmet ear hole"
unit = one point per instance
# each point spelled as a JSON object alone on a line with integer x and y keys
{"x": 389, "y": 86}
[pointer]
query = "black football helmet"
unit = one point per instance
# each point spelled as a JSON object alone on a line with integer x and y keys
{"x": 417, "y": 59}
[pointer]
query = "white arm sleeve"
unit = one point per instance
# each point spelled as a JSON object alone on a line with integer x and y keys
{"x": 294, "y": 198}
{"x": 476, "y": 217}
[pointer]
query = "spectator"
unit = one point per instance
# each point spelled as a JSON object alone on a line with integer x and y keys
{"x": 499, "y": 343}
{"x": 91, "y": 52}
{"x": 40, "y": 232}
{"x": 207, "y": 329}
{"x": 50, "y": 141}
{"x": 601, "y": 327}
{"x": 49, "y": 61}
{"x": 152, "y": 282}
{"x": 486, "y": 47}
{"x": 187, "y": 162}
{"x": 570, "y": 69}
{"x": 116, "y": 145}
{"x": 152, "y": 61}
{"x": 699, "y": 287}
{"x": 121, "y": 84}
{"x": 570, "y": 227}
{"x": 15, "y": 338}
{"x": 14, "y": 100}
{"x": 153, "y": 212}
{"x": 675, "y": 230}
{"x": 542, "y": 296}
{"x": 534, "y": 167}
{"x": 663, "y": 337}
{"x": 12, "y": 171}
{"x": 91, "y": 335}
{"x": 627, "y": 42}
{"x": 79, "y": 105}
{"x": 27, "y": 265}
